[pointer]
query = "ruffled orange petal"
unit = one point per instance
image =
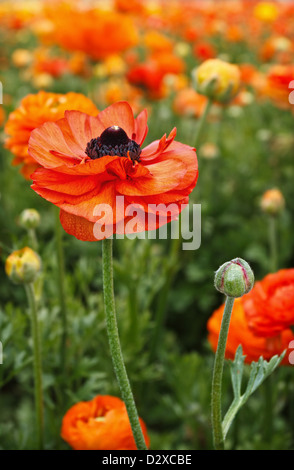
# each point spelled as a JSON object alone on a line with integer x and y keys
{"x": 176, "y": 171}
{"x": 49, "y": 137}
{"x": 141, "y": 127}
{"x": 79, "y": 227}
{"x": 74, "y": 185}
{"x": 154, "y": 149}
{"x": 118, "y": 114}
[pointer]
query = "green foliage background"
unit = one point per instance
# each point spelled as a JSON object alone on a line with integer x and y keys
{"x": 171, "y": 376}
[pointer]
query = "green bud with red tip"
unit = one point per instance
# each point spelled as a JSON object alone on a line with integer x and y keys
{"x": 234, "y": 278}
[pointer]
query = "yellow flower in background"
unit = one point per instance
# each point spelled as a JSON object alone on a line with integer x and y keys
{"x": 21, "y": 57}
{"x": 112, "y": 65}
{"x": 23, "y": 266}
{"x": 266, "y": 11}
{"x": 217, "y": 79}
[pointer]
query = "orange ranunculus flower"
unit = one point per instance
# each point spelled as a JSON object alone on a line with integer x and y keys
{"x": 269, "y": 307}
{"x": 34, "y": 110}
{"x": 240, "y": 333}
{"x": 97, "y": 33}
{"x": 91, "y": 163}
{"x": 100, "y": 424}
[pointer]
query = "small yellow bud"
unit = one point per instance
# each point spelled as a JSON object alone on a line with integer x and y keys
{"x": 23, "y": 266}
{"x": 272, "y": 202}
{"x": 217, "y": 79}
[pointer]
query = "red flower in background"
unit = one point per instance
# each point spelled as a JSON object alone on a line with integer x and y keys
{"x": 204, "y": 50}
{"x": 239, "y": 333}
{"x": 269, "y": 307}
{"x": 89, "y": 161}
{"x": 100, "y": 424}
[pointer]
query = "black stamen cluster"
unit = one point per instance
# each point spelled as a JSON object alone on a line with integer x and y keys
{"x": 113, "y": 141}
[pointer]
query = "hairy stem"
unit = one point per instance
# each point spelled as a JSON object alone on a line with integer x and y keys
{"x": 114, "y": 344}
{"x": 216, "y": 398}
{"x": 61, "y": 288}
{"x": 37, "y": 366}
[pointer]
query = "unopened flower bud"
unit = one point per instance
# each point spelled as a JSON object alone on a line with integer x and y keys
{"x": 23, "y": 266}
{"x": 234, "y": 278}
{"x": 29, "y": 219}
{"x": 272, "y": 202}
{"x": 217, "y": 79}
{"x": 209, "y": 151}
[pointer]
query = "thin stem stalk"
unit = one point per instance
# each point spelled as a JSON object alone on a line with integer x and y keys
{"x": 37, "y": 366}
{"x": 114, "y": 344}
{"x": 61, "y": 288}
{"x": 202, "y": 121}
{"x": 216, "y": 397}
{"x": 273, "y": 243}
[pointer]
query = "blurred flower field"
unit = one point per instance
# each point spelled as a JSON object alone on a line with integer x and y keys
{"x": 101, "y": 99}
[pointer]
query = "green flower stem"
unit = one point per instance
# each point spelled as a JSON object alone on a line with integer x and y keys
{"x": 201, "y": 122}
{"x": 218, "y": 374}
{"x": 273, "y": 243}
{"x": 33, "y": 239}
{"x": 114, "y": 344}
{"x": 37, "y": 366}
{"x": 61, "y": 287}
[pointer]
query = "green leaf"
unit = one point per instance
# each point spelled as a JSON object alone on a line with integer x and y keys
{"x": 259, "y": 371}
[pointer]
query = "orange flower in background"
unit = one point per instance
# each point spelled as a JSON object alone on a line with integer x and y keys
{"x": 119, "y": 89}
{"x": 157, "y": 42}
{"x": 100, "y": 424}
{"x": 2, "y": 116}
{"x": 277, "y": 48}
{"x": 240, "y": 333}
{"x": 188, "y": 102}
{"x": 129, "y": 6}
{"x": 34, "y": 110}
{"x": 98, "y": 33}
{"x": 269, "y": 307}
{"x": 90, "y": 161}
{"x": 274, "y": 85}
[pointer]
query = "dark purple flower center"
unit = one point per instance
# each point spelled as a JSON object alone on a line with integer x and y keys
{"x": 113, "y": 141}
